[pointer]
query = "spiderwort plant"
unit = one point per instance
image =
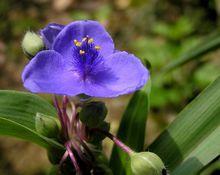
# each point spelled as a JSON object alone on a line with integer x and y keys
{"x": 80, "y": 58}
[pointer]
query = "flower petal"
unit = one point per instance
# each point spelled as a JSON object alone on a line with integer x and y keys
{"x": 49, "y": 33}
{"x": 125, "y": 74}
{"x": 48, "y": 72}
{"x": 80, "y": 29}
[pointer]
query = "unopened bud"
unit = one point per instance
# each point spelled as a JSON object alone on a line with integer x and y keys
{"x": 93, "y": 114}
{"x": 96, "y": 137}
{"x": 147, "y": 163}
{"x": 46, "y": 125}
{"x": 32, "y": 44}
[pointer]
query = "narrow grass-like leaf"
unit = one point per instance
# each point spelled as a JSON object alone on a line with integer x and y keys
{"x": 208, "y": 44}
{"x": 131, "y": 130}
{"x": 212, "y": 168}
{"x": 17, "y": 116}
{"x": 192, "y": 140}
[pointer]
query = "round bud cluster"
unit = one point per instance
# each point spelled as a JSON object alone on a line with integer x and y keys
{"x": 93, "y": 114}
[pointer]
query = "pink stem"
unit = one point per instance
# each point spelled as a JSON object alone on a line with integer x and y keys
{"x": 65, "y": 116}
{"x": 80, "y": 153}
{"x": 72, "y": 157}
{"x": 78, "y": 127}
{"x": 59, "y": 114}
{"x": 65, "y": 155}
{"x": 120, "y": 144}
{"x": 73, "y": 119}
{"x": 87, "y": 149}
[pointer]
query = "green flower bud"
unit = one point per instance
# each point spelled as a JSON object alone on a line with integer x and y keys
{"x": 32, "y": 44}
{"x": 93, "y": 114}
{"x": 146, "y": 163}
{"x": 46, "y": 125}
{"x": 96, "y": 137}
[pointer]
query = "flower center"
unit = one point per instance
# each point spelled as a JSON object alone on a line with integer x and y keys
{"x": 86, "y": 46}
{"x": 87, "y": 56}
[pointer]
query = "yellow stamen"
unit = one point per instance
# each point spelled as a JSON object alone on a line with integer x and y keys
{"x": 81, "y": 52}
{"x": 90, "y": 40}
{"x": 75, "y": 41}
{"x": 78, "y": 44}
{"x": 97, "y": 47}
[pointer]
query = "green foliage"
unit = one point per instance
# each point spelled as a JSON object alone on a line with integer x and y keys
{"x": 192, "y": 140}
{"x": 131, "y": 130}
{"x": 208, "y": 44}
{"x": 205, "y": 74}
{"x": 166, "y": 87}
{"x": 181, "y": 28}
{"x": 213, "y": 168}
{"x": 17, "y": 117}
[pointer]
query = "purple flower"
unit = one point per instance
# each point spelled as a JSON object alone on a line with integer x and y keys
{"x": 49, "y": 34}
{"x": 83, "y": 61}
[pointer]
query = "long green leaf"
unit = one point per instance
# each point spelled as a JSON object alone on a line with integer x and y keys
{"x": 17, "y": 116}
{"x": 208, "y": 44}
{"x": 193, "y": 139}
{"x": 131, "y": 130}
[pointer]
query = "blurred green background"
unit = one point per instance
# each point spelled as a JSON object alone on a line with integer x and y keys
{"x": 159, "y": 31}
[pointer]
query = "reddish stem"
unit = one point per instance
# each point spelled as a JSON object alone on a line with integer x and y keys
{"x": 65, "y": 155}
{"x": 72, "y": 157}
{"x": 65, "y": 116}
{"x": 119, "y": 143}
{"x": 63, "y": 127}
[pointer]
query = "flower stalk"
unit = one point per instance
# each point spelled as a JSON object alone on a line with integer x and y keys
{"x": 75, "y": 135}
{"x": 117, "y": 142}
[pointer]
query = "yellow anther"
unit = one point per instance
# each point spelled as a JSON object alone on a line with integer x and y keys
{"x": 90, "y": 40}
{"x": 78, "y": 44}
{"x": 75, "y": 41}
{"x": 97, "y": 47}
{"x": 81, "y": 52}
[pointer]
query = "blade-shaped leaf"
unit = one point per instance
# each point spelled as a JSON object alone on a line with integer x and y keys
{"x": 212, "y": 168}
{"x": 17, "y": 116}
{"x": 131, "y": 130}
{"x": 192, "y": 140}
{"x": 208, "y": 44}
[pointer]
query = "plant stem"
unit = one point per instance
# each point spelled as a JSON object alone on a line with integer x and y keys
{"x": 119, "y": 143}
{"x": 73, "y": 159}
